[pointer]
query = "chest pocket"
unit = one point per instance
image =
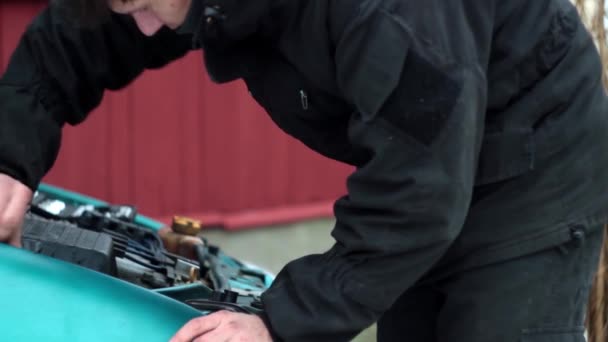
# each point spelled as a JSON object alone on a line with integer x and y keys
{"x": 316, "y": 119}
{"x": 513, "y": 95}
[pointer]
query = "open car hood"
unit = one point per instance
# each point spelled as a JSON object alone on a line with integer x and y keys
{"x": 86, "y": 273}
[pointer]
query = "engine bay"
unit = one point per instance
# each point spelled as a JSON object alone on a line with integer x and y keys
{"x": 109, "y": 240}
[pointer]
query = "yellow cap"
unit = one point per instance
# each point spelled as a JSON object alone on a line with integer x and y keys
{"x": 186, "y": 226}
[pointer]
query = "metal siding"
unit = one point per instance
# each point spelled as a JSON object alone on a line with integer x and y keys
{"x": 173, "y": 142}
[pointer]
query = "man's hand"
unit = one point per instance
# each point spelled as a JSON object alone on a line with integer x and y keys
{"x": 14, "y": 199}
{"x": 224, "y": 326}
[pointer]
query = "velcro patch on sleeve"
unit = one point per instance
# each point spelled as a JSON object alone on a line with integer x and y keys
{"x": 423, "y": 101}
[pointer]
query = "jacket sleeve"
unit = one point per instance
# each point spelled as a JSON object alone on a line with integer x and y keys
{"x": 420, "y": 120}
{"x": 58, "y": 74}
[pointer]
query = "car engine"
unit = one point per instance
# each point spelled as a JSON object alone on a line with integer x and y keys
{"x": 107, "y": 239}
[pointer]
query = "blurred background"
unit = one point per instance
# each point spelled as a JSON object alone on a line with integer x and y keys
{"x": 173, "y": 143}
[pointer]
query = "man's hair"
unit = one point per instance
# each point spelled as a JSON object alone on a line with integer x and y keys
{"x": 86, "y": 13}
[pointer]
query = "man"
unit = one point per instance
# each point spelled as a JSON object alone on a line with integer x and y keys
{"x": 477, "y": 129}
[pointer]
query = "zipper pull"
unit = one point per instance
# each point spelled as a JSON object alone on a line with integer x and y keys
{"x": 304, "y": 99}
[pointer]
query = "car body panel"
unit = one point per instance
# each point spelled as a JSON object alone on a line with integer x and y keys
{"x": 51, "y": 300}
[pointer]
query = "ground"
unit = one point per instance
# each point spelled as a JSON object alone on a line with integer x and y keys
{"x": 273, "y": 247}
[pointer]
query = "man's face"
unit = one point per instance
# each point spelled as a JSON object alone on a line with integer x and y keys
{"x": 152, "y": 15}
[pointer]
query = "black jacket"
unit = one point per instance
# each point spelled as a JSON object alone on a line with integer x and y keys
{"x": 477, "y": 128}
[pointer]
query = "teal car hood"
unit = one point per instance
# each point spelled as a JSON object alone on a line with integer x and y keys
{"x": 50, "y": 300}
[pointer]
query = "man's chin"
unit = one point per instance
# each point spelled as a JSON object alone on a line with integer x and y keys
{"x": 148, "y": 23}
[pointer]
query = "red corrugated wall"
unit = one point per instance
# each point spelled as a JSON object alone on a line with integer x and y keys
{"x": 174, "y": 143}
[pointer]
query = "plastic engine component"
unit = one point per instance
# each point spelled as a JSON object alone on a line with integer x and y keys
{"x": 67, "y": 242}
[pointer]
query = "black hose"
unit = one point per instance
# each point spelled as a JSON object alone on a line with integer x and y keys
{"x": 208, "y": 262}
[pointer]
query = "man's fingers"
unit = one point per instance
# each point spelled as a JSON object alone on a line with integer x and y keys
{"x": 10, "y": 226}
{"x": 20, "y": 199}
{"x": 213, "y": 336}
{"x": 16, "y": 238}
{"x": 197, "y": 327}
{"x": 13, "y": 208}
{"x": 18, "y": 207}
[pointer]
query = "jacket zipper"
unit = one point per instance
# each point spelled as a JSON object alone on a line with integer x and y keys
{"x": 304, "y": 99}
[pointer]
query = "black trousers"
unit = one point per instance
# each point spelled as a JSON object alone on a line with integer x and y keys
{"x": 540, "y": 297}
